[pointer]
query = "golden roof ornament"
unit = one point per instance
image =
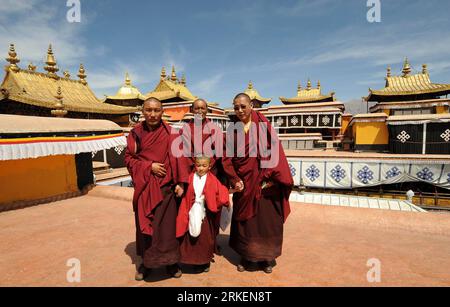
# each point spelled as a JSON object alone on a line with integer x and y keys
{"x": 174, "y": 76}
{"x": 66, "y": 74}
{"x": 388, "y": 74}
{"x": 127, "y": 80}
{"x": 250, "y": 85}
{"x": 299, "y": 87}
{"x": 183, "y": 80}
{"x": 425, "y": 69}
{"x": 31, "y": 67}
{"x": 163, "y": 73}
{"x": 406, "y": 68}
{"x": 59, "y": 107}
{"x": 82, "y": 75}
{"x": 51, "y": 67}
{"x": 12, "y": 59}
{"x": 309, "y": 85}
{"x": 318, "y": 84}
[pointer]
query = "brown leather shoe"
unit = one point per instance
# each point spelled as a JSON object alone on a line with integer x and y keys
{"x": 267, "y": 267}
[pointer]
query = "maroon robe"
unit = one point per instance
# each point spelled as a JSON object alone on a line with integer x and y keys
{"x": 259, "y": 214}
{"x": 200, "y": 250}
{"x": 154, "y": 200}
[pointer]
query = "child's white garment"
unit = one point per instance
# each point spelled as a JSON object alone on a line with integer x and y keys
{"x": 198, "y": 211}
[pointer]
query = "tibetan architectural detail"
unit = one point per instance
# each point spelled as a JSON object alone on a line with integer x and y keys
{"x": 257, "y": 100}
{"x": 51, "y": 67}
{"x": 82, "y": 75}
{"x": 28, "y": 92}
{"x": 409, "y": 117}
{"x": 127, "y": 95}
{"x": 66, "y": 74}
{"x": 170, "y": 89}
{"x": 12, "y": 59}
{"x": 309, "y": 94}
{"x": 32, "y": 67}
{"x": 408, "y": 87}
{"x": 59, "y": 107}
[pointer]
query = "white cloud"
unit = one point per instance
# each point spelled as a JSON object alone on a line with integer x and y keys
{"x": 206, "y": 87}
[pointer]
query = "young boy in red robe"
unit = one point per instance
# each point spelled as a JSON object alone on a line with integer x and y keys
{"x": 197, "y": 215}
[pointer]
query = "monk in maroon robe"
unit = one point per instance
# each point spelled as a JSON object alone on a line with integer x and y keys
{"x": 204, "y": 188}
{"x": 258, "y": 169}
{"x": 201, "y": 137}
{"x": 158, "y": 177}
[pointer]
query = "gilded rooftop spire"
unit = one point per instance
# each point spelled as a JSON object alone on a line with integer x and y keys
{"x": 59, "y": 107}
{"x": 51, "y": 67}
{"x": 250, "y": 85}
{"x": 163, "y": 73}
{"x": 318, "y": 84}
{"x": 406, "y": 68}
{"x": 183, "y": 80}
{"x": 174, "y": 76}
{"x": 424, "y": 69}
{"x": 82, "y": 75}
{"x": 31, "y": 67}
{"x": 66, "y": 74}
{"x": 127, "y": 79}
{"x": 388, "y": 74}
{"x": 299, "y": 87}
{"x": 309, "y": 85}
{"x": 12, "y": 59}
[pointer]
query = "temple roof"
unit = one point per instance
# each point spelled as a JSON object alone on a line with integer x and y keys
{"x": 408, "y": 85}
{"x": 254, "y": 95}
{"x": 171, "y": 87}
{"x": 309, "y": 94}
{"x": 39, "y": 89}
{"x": 127, "y": 91}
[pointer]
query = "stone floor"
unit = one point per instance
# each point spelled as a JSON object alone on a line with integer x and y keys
{"x": 323, "y": 246}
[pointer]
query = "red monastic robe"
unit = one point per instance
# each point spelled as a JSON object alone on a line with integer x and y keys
{"x": 145, "y": 147}
{"x": 216, "y": 196}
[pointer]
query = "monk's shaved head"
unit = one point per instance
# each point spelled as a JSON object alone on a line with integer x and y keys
{"x": 200, "y": 107}
{"x": 152, "y": 110}
{"x": 243, "y": 106}
{"x": 243, "y": 96}
{"x": 154, "y": 100}
{"x": 199, "y": 101}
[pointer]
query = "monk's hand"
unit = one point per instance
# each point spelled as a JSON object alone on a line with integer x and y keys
{"x": 158, "y": 169}
{"x": 179, "y": 191}
{"x": 267, "y": 185}
{"x": 239, "y": 186}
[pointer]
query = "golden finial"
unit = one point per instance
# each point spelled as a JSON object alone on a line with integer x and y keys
{"x": 59, "y": 107}
{"x": 12, "y": 59}
{"x": 51, "y": 67}
{"x": 183, "y": 80}
{"x": 250, "y": 85}
{"x": 299, "y": 87}
{"x": 163, "y": 73}
{"x": 31, "y": 67}
{"x": 424, "y": 69}
{"x": 388, "y": 74}
{"x": 66, "y": 74}
{"x": 127, "y": 79}
{"x": 318, "y": 84}
{"x": 406, "y": 68}
{"x": 309, "y": 84}
{"x": 82, "y": 75}
{"x": 174, "y": 76}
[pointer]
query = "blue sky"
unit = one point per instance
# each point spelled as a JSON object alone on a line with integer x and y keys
{"x": 221, "y": 45}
